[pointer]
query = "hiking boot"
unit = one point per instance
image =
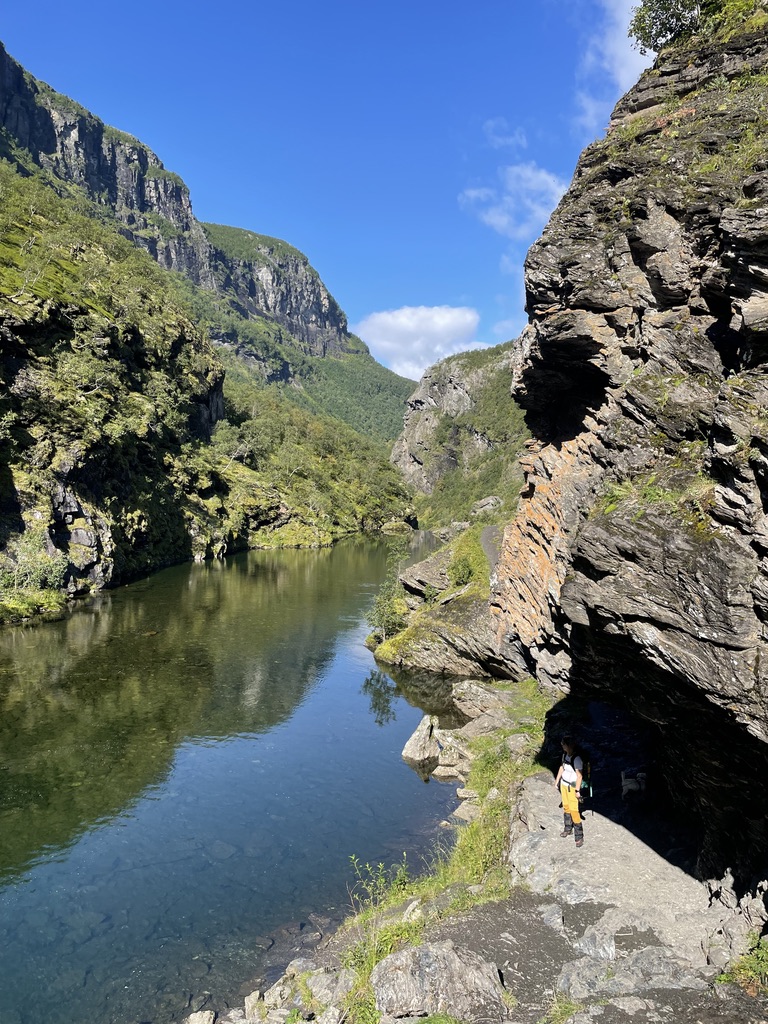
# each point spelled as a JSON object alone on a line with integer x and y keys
{"x": 567, "y": 826}
{"x": 579, "y": 833}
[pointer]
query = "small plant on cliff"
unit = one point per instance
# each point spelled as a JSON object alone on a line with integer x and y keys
{"x": 750, "y": 970}
{"x": 375, "y": 888}
{"x": 376, "y": 884}
{"x": 460, "y": 571}
{"x": 561, "y": 1009}
{"x": 30, "y": 565}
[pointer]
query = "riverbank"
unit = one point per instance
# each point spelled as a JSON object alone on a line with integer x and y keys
{"x": 619, "y": 931}
{"x": 29, "y": 605}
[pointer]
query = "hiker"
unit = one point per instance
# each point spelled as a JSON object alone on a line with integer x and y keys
{"x": 568, "y": 780}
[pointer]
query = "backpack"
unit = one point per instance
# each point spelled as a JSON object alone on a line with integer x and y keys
{"x": 586, "y": 771}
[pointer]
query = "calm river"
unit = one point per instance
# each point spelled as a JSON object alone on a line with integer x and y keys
{"x": 186, "y": 765}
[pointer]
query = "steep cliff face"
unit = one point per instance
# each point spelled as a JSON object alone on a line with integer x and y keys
{"x": 636, "y": 566}
{"x": 266, "y": 279}
{"x": 444, "y": 391}
{"x": 114, "y": 169}
{"x": 453, "y": 419}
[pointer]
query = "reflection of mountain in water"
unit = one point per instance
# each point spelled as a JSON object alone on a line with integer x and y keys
{"x": 93, "y": 708}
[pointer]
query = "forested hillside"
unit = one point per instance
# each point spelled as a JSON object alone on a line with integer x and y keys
{"x": 147, "y": 415}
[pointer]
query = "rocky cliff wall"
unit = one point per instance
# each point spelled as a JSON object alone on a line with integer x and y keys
{"x": 268, "y": 278}
{"x": 114, "y": 169}
{"x": 153, "y": 207}
{"x": 636, "y": 566}
{"x": 424, "y": 451}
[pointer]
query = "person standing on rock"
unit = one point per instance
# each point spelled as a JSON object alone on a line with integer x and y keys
{"x": 569, "y": 782}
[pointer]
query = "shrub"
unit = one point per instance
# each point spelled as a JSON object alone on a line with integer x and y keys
{"x": 30, "y": 566}
{"x": 751, "y": 970}
{"x": 658, "y": 22}
{"x": 460, "y": 571}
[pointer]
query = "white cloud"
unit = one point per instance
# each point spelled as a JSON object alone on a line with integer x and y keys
{"x": 611, "y": 49}
{"x": 500, "y": 136}
{"x": 610, "y": 66}
{"x": 520, "y": 206}
{"x": 411, "y": 338}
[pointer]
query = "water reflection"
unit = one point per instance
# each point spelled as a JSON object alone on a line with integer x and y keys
{"x": 93, "y": 708}
{"x": 185, "y": 763}
{"x": 381, "y": 692}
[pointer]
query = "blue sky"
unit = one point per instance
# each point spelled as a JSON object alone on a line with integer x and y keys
{"x": 412, "y": 149}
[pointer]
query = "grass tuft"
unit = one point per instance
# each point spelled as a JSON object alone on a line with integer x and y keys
{"x": 750, "y": 971}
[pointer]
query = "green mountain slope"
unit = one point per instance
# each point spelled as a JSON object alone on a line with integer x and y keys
{"x": 346, "y": 383}
{"x": 116, "y": 454}
{"x": 255, "y": 293}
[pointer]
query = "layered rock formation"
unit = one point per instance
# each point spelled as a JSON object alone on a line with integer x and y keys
{"x": 266, "y": 277}
{"x": 636, "y": 566}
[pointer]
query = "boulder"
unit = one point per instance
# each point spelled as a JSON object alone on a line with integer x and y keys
{"x": 489, "y": 504}
{"x": 474, "y": 698}
{"x": 422, "y": 750}
{"x": 439, "y": 978}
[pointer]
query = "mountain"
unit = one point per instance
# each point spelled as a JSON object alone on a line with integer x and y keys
{"x": 168, "y": 389}
{"x": 256, "y": 293}
{"x": 636, "y": 568}
{"x": 460, "y": 433}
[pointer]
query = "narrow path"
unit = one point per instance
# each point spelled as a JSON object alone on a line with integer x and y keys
{"x": 490, "y": 541}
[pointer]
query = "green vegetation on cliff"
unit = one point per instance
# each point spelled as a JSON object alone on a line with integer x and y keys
{"x": 110, "y": 394}
{"x": 476, "y": 451}
{"x": 355, "y": 388}
{"x": 347, "y": 384}
{"x": 657, "y": 23}
{"x": 249, "y": 246}
{"x": 471, "y": 458}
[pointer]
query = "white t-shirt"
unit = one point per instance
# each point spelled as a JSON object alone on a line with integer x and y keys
{"x": 569, "y": 770}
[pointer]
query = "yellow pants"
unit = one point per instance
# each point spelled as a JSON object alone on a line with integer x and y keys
{"x": 570, "y": 802}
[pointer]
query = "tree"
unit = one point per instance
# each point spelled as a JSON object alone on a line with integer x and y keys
{"x": 658, "y": 22}
{"x": 389, "y": 612}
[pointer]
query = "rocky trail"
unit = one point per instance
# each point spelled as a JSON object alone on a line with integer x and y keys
{"x": 619, "y": 931}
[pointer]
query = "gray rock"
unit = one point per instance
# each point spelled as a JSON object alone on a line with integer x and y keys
{"x": 330, "y": 987}
{"x": 300, "y": 965}
{"x": 489, "y": 504}
{"x": 644, "y": 970}
{"x": 599, "y": 940}
{"x": 333, "y": 1015}
{"x": 431, "y": 572}
{"x": 282, "y": 995}
{"x": 466, "y": 794}
{"x": 445, "y": 390}
{"x": 422, "y": 749}
{"x": 468, "y": 812}
{"x": 484, "y": 725}
{"x": 438, "y": 978}
{"x": 254, "y": 1003}
{"x": 475, "y": 698}
{"x": 448, "y": 773}
{"x": 552, "y": 916}
{"x": 517, "y": 744}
